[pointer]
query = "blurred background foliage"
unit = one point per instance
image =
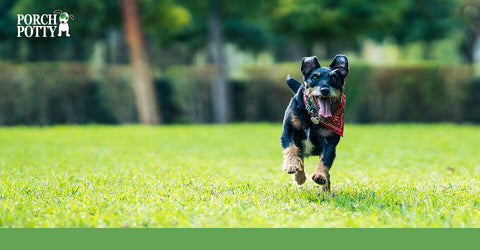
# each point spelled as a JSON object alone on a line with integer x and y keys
{"x": 411, "y": 61}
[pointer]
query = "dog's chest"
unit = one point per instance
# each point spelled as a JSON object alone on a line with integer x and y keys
{"x": 309, "y": 142}
{"x": 314, "y": 139}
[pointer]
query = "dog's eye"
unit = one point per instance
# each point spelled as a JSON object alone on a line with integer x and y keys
{"x": 314, "y": 77}
{"x": 333, "y": 78}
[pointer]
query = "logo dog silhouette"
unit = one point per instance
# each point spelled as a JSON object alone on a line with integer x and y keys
{"x": 63, "y": 26}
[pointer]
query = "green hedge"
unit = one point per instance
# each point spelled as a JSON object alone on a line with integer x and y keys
{"x": 376, "y": 94}
{"x": 60, "y": 92}
{"x": 190, "y": 92}
{"x": 55, "y": 93}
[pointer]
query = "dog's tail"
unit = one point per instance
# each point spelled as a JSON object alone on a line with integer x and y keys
{"x": 293, "y": 84}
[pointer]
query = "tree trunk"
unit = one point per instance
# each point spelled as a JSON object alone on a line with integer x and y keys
{"x": 220, "y": 89}
{"x": 142, "y": 74}
{"x": 472, "y": 32}
{"x": 468, "y": 46}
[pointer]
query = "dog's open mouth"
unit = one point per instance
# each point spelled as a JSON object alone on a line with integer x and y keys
{"x": 323, "y": 105}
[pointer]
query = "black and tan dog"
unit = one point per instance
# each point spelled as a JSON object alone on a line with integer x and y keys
{"x": 313, "y": 121}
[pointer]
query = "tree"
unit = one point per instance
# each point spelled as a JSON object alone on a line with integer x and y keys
{"x": 470, "y": 11}
{"x": 425, "y": 20}
{"x": 142, "y": 73}
{"x": 220, "y": 89}
{"x": 216, "y": 22}
{"x": 92, "y": 21}
{"x": 332, "y": 22}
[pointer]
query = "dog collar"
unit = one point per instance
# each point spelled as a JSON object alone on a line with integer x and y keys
{"x": 335, "y": 122}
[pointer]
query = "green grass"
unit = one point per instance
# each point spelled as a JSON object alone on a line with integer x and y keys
{"x": 409, "y": 175}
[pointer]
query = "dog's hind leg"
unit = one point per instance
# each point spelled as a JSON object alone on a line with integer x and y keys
{"x": 300, "y": 177}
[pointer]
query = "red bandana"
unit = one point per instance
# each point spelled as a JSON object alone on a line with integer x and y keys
{"x": 336, "y": 121}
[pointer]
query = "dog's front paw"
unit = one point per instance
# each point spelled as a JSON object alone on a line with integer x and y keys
{"x": 293, "y": 162}
{"x": 321, "y": 178}
{"x": 291, "y": 167}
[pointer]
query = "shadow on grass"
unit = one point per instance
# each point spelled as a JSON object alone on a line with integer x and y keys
{"x": 352, "y": 199}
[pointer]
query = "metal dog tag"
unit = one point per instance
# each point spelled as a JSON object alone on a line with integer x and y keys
{"x": 315, "y": 120}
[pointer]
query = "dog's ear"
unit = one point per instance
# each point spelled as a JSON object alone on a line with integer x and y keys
{"x": 309, "y": 64}
{"x": 340, "y": 62}
{"x": 70, "y": 16}
{"x": 57, "y": 11}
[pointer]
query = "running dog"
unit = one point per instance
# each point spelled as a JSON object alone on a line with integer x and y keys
{"x": 314, "y": 119}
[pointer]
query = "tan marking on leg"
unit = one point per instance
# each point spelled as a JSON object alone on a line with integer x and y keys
{"x": 292, "y": 162}
{"x": 321, "y": 176}
{"x": 297, "y": 123}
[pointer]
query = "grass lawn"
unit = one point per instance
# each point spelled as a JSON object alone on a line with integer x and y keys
{"x": 408, "y": 175}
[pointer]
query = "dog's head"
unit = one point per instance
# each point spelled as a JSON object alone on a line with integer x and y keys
{"x": 64, "y": 16}
{"x": 324, "y": 85}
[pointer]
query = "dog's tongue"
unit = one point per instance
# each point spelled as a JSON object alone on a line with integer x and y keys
{"x": 324, "y": 108}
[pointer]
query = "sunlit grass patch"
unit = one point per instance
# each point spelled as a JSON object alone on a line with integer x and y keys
{"x": 408, "y": 175}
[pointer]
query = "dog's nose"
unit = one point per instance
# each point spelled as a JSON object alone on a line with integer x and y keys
{"x": 324, "y": 91}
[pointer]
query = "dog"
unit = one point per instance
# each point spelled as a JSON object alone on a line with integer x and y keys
{"x": 313, "y": 121}
{"x": 63, "y": 27}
